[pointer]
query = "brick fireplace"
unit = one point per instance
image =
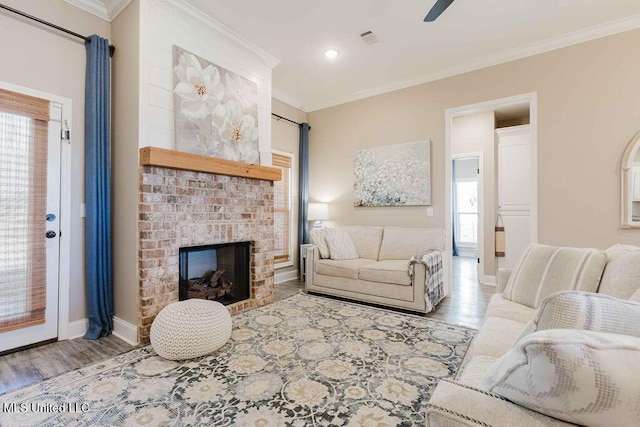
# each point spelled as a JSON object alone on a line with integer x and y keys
{"x": 179, "y": 207}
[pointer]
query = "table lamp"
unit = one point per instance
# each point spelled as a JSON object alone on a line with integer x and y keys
{"x": 318, "y": 212}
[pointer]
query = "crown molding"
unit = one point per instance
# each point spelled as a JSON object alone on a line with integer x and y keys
{"x": 217, "y": 30}
{"x": 94, "y": 7}
{"x": 105, "y": 9}
{"x": 287, "y": 99}
{"x": 566, "y": 40}
{"x": 114, "y": 7}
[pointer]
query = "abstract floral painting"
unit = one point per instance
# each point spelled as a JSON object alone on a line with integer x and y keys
{"x": 215, "y": 110}
{"x": 393, "y": 175}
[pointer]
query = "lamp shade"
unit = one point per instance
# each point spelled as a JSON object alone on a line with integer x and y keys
{"x": 318, "y": 211}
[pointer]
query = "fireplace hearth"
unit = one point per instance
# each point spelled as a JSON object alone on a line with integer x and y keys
{"x": 219, "y": 272}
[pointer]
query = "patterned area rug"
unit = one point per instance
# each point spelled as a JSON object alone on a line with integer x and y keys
{"x": 302, "y": 361}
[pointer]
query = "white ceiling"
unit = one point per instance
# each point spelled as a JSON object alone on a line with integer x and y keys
{"x": 470, "y": 34}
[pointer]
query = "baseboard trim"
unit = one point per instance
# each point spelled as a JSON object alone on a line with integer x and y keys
{"x": 77, "y": 329}
{"x": 489, "y": 280}
{"x": 285, "y": 276}
{"x": 125, "y": 331}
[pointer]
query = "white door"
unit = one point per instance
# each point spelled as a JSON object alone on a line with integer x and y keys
{"x": 515, "y": 185}
{"x": 17, "y": 265}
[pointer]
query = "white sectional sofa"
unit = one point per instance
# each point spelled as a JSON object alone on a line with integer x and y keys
{"x": 377, "y": 272}
{"x": 557, "y": 301}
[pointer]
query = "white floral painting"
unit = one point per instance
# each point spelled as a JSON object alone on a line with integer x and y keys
{"x": 393, "y": 175}
{"x": 215, "y": 110}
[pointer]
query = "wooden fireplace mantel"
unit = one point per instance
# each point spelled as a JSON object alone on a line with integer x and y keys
{"x": 154, "y": 156}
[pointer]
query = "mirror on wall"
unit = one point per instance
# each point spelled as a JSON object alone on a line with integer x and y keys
{"x": 630, "y": 169}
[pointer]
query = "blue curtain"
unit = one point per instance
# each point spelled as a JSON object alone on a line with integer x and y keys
{"x": 454, "y": 210}
{"x": 97, "y": 193}
{"x": 303, "y": 224}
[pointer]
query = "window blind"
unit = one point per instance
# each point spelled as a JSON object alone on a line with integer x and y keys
{"x": 282, "y": 209}
{"x": 23, "y": 201}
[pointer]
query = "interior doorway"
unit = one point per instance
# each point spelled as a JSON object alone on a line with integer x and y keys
{"x": 466, "y": 212}
{"x": 473, "y": 129}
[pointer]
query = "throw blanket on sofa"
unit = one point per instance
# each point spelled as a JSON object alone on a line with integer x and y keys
{"x": 434, "y": 282}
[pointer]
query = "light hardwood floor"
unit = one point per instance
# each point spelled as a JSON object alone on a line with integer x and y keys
{"x": 465, "y": 305}
{"x": 36, "y": 364}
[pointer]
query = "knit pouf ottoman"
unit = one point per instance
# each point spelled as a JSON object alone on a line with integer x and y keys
{"x": 191, "y": 328}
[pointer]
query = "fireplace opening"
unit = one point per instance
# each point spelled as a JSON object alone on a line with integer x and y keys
{"x": 219, "y": 272}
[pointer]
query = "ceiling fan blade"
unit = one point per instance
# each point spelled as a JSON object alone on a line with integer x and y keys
{"x": 437, "y": 9}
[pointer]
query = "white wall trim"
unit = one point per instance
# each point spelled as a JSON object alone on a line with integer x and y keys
{"x": 104, "y": 9}
{"x": 125, "y": 331}
{"x": 94, "y": 7}
{"x": 76, "y": 329}
{"x": 450, "y": 113}
{"x": 66, "y": 212}
{"x": 287, "y": 99}
{"x": 114, "y": 7}
{"x": 565, "y": 40}
{"x": 217, "y": 30}
{"x": 466, "y": 251}
{"x": 489, "y": 280}
{"x": 285, "y": 276}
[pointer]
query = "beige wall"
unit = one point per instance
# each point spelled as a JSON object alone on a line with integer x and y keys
{"x": 125, "y": 28}
{"x": 397, "y": 117}
{"x": 475, "y": 134}
{"x": 45, "y": 59}
{"x": 285, "y": 136}
{"x": 588, "y": 111}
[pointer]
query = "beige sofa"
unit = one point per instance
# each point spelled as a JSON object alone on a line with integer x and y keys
{"x": 507, "y": 333}
{"x": 379, "y": 272}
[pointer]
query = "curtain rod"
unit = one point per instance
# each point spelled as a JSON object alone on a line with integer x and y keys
{"x": 289, "y": 120}
{"x": 57, "y": 27}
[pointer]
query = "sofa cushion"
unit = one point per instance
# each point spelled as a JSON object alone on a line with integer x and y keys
{"x": 635, "y": 297}
{"x": 586, "y": 311}
{"x": 366, "y": 240}
{"x": 475, "y": 370}
{"x": 390, "y": 271}
{"x": 456, "y": 405}
{"x": 584, "y": 377}
{"x": 501, "y": 307}
{"x": 497, "y": 336}
{"x": 347, "y": 268}
{"x": 543, "y": 270}
{"x": 621, "y": 276}
{"x": 403, "y": 243}
{"x": 340, "y": 244}
{"x": 317, "y": 238}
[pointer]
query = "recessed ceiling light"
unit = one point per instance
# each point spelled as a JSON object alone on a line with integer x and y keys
{"x": 330, "y": 53}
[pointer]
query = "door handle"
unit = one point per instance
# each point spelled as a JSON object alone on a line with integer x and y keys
{"x": 50, "y": 234}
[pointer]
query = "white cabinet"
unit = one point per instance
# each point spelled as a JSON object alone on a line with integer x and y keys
{"x": 635, "y": 184}
{"x": 515, "y": 195}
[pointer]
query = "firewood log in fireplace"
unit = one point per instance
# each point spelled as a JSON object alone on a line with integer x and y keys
{"x": 211, "y": 286}
{"x": 215, "y": 277}
{"x": 225, "y": 288}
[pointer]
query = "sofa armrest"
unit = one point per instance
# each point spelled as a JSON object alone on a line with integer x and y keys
{"x": 502, "y": 278}
{"x": 454, "y": 404}
{"x": 311, "y": 257}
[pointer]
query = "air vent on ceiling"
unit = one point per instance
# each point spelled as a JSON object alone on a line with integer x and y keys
{"x": 369, "y": 37}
